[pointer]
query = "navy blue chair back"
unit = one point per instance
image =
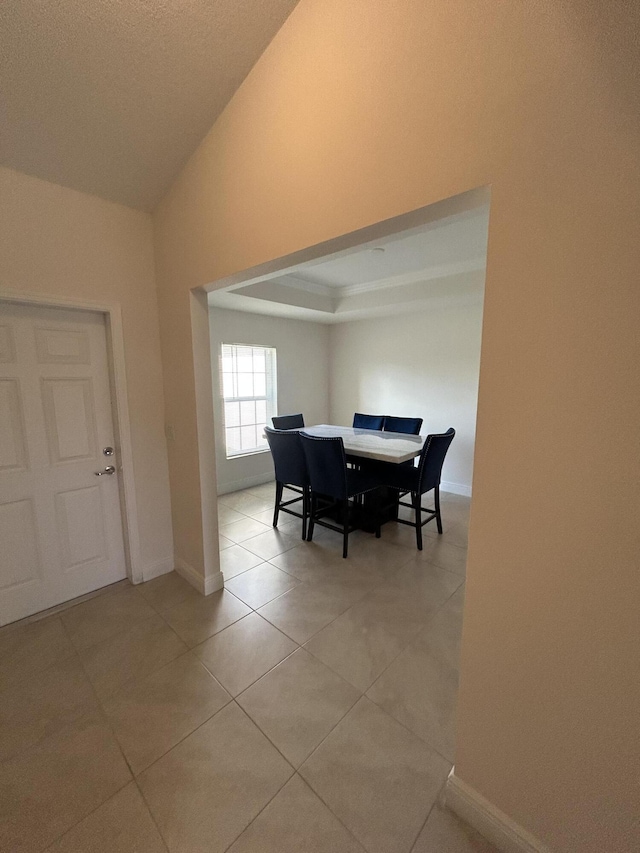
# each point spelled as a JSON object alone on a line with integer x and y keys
{"x": 327, "y": 465}
{"x": 367, "y": 421}
{"x": 288, "y": 422}
{"x": 409, "y": 426}
{"x": 288, "y": 457}
{"x": 432, "y": 459}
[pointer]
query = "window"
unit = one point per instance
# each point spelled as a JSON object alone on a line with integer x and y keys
{"x": 249, "y": 396}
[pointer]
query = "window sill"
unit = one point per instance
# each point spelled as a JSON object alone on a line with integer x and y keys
{"x": 249, "y": 453}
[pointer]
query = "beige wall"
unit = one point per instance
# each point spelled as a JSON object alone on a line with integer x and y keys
{"x": 360, "y": 111}
{"x": 58, "y": 242}
{"x": 422, "y": 364}
{"x": 302, "y": 360}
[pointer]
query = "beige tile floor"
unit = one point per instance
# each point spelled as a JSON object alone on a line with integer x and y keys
{"x": 308, "y": 707}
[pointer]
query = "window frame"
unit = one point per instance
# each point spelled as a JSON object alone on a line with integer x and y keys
{"x": 270, "y": 396}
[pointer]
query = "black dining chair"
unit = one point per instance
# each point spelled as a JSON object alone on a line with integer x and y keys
{"x": 331, "y": 479}
{"x": 288, "y": 421}
{"x": 361, "y": 421}
{"x": 291, "y": 473}
{"x": 420, "y": 480}
{"x": 409, "y": 426}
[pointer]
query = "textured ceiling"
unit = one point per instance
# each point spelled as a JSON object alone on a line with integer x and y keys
{"x": 112, "y": 96}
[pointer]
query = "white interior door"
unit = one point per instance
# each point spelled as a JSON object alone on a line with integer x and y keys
{"x": 60, "y": 524}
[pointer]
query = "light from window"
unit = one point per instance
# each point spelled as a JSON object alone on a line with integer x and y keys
{"x": 249, "y": 396}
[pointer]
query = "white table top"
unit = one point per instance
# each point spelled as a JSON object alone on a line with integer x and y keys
{"x": 372, "y": 443}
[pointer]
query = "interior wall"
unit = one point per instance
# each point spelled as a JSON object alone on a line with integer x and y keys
{"x": 423, "y": 364}
{"x": 302, "y": 359}
{"x": 58, "y": 242}
{"x": 359, "y": 112}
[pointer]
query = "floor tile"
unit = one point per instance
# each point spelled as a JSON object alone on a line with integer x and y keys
{"x": 207, "y": 790}
{"x": 244, "y": 652}
{"x": 154, "y": 714}
{"x": 107, "y": 616}
{"x": 166, "y": 591}
{"x": 226, "y": 515}
{"x": 442, "y": 554}
{"x": 297, "y": 704}
{"x": 376, "y": 553}
{"x": 419, "y": 690}
{"x": 196, "y": 619}
{"x": 121, "y": 825}
{"x": 260, "y": 585}
{"x": 237, "y": 559}
{"x": 42, "y": 704}
{"x": 306, "y": 609}
{"x": 265, "y": 491}
{"x": 287, "y": 523}
{"x": 32, "y": 648}
{"x": 224, "y": 542}
{"x": 454, "y": 532}
{"x": 245, "y": 503}
{"x": 245, "y": 529}
{"x": 133, "y": 654}
{"x": 444, "y": 832}
{"x": 442, "y": 635}
{"x": 362, "y": 642}
{"x": 377, "y": 778}
{"x": 308, "y": 561}
{"x": 49, "y": 788}
{"x": 271, "y": 543}
{"x": 296, "y": 821}
{"x": 426, "y": 584}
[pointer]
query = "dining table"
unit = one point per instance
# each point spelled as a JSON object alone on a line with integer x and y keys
{"x": 379, "y": 505}
{"x": 395, "y": 447}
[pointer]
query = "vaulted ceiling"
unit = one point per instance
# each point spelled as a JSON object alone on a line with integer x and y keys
{"x": 111, "y": 97}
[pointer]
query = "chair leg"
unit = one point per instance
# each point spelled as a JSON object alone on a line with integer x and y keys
{"x": 417, "y": 506}
{"x": 305, "y": 511}
{"x": 312, "y": 512}
{"x": 438, "y": 516}
{"x": 276, "y": 510}
{"x": 345, "y": 529}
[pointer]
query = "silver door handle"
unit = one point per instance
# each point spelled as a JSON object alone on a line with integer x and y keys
{"x": 109, "y": 470}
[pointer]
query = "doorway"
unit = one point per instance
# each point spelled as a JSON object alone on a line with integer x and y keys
{"x": 60, "y": 510}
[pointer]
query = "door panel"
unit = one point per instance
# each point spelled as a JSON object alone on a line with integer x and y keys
{"x": 13, "y": 447}
{"x": 60, "y": 526}
{"x": 7, "y": 346}
{"x": 62, "y": 346}
{"x": 81, "y": 530}
{"x": 70, "y": 419}
{"x": 18, "y": 535}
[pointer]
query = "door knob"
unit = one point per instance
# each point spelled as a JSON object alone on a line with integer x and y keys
{"x": 109, "y": 470}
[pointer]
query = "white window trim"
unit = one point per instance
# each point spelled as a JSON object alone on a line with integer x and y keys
{"x": 270, "y": 397}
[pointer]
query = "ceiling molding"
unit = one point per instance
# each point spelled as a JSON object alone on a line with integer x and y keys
{"x": 300, "y": 283}
{"x": 440, "y": 271}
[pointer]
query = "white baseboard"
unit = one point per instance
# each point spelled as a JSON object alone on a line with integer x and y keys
{"x": 204, "y": 585}
{"x": 244, "y": 483}
{"x": 456, "y": 488}
{"x": 157, "y": 568}
{"x": 489, "y": 821}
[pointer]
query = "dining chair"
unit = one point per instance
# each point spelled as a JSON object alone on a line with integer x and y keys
{"x": 288, "y": 421}
{"x": 361, "y": 421}
{"x": 330, "y": 478}
{"x": 409, "y": 426}
{"x": 291, "y": 473}
{"x": 420, "y": 480}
